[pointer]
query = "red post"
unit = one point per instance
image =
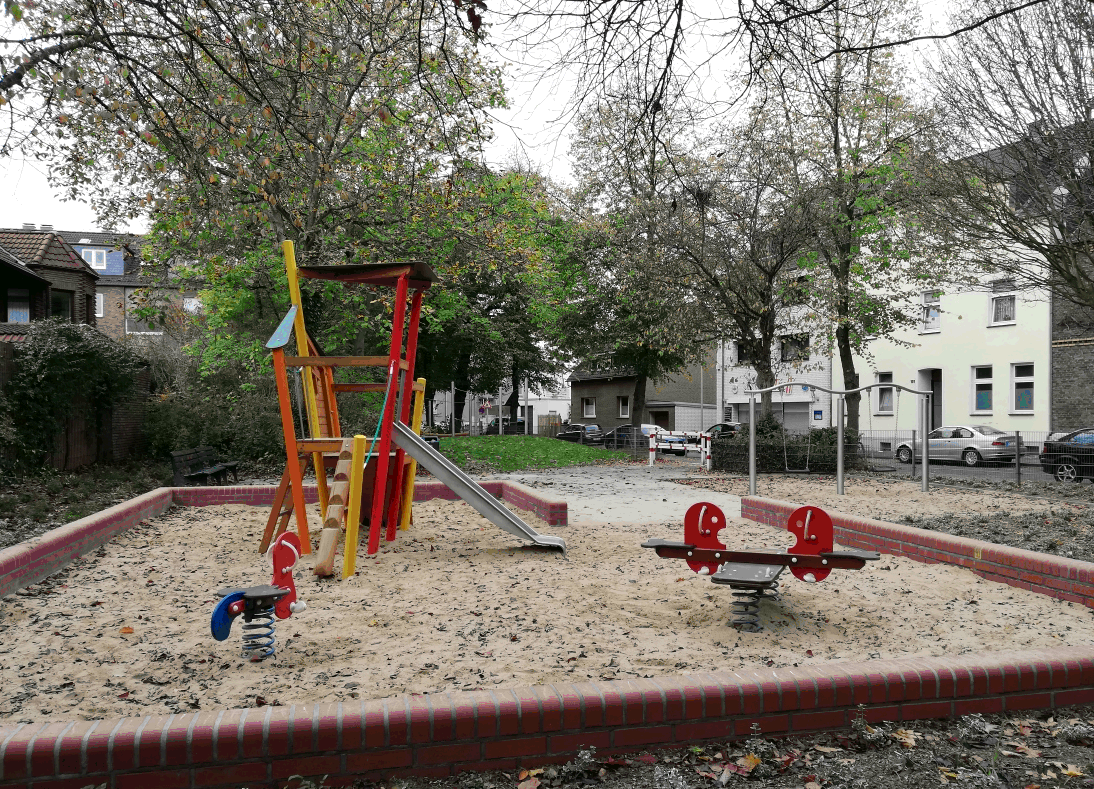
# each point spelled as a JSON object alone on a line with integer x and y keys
{"x": 383, "y": 462}
{"x": 404, "y": 413}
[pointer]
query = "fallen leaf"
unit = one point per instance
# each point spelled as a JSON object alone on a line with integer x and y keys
{"x": 531, "y": 783}
{"x": 905, "y": 737}
{"x": 826, "y": 749}
{"x": 126, "y": 630}
{"x": 678, "y": 580}
{"x": 809, "y": 653}
{"x": 1072, "y": 771}
{"x": 646, "y": 758}
{"x": 812, "y": 785}
{"x": 749, "y": 762}
{"x": 123, "y": 695}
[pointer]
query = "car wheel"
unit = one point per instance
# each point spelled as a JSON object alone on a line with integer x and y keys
{"x": 1067, "y": 471}
{"x": 904, "y": 455}
{"x": 971, "y": 457}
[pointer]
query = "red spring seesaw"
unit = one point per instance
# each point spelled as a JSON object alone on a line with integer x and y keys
{"x": 753, "y": 574}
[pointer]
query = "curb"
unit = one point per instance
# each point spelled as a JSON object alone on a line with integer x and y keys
{"x": 441, "y": 735}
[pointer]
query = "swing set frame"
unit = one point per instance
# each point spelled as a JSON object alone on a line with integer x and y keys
{"x": 840, "y": 396}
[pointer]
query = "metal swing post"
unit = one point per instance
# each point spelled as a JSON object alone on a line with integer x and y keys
{"x": 839, "y": 444}
{"x": 925, "y": 421}
{"x": 751, "y": 444}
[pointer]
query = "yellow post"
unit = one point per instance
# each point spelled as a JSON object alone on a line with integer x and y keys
{"x": 353, "y": 516}
{"x": 289, "y": 253}
{"x": 412, "y": 467}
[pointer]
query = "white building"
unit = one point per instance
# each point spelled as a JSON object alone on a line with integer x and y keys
{"x": 983, "y": 353}
{"x": 796, "y": 359}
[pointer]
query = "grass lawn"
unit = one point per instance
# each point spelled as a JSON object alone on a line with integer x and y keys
{"x": 480, "y": 454}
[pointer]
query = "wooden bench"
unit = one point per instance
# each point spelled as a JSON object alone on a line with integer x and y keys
{"x": 200, "y": 466}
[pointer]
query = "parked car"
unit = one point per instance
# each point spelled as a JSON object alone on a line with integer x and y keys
{"x": 583, "y": 433}
{"x": 625, "y": 437}
{"x": 507, "y": 427}
{"x": 724, "y": 430}
{"x": 970, "y": 444}
{"x": 1070, "y": 457}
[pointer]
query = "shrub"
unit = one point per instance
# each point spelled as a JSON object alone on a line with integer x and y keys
{"x": 61, "y": 366}
{"x": 778, "y": 450}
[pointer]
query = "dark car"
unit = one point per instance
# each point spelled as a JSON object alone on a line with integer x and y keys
{"x": 581, "y": 433}
{"x": 724, "y": 430}
{"x": 505, "y": 426}
{"x": 1070, "y": 457}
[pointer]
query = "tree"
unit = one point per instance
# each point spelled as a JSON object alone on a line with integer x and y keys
{"x": 740, "y": 229}
{"x": 625, "y": 301}
{"x": 862, "y": 155}
{"x": 1020, "y": 98}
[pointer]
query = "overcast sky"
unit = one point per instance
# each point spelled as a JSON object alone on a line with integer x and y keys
{"x": 531, "y": 127}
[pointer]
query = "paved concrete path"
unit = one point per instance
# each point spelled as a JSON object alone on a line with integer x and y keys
{"x": 629, "y": 493}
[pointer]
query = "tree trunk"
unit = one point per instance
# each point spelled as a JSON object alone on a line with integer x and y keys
{"x": 850, "y": 375}
{"x": 462, "y": 366}
{"x": 638, "y": 401}
{"x": 513, "y": 403}
{"x": 765, "y": 377}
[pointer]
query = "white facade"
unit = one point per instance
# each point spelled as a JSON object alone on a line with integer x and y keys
{"x": 480, "y": 409}
{"x": 984, "y": 353}
{"x": 798, "y": 408}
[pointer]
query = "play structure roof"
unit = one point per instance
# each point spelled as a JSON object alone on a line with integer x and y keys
{"x": 372, "y": 273}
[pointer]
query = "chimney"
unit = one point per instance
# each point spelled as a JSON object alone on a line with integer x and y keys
{"x": 28, "y": 226}
{"x": 47, "y": 227}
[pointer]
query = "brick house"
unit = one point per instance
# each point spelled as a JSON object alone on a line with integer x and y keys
{"x": 42, "y": 276}
{"x": 684, "y": 401}
{"x": 1071, "y": 362}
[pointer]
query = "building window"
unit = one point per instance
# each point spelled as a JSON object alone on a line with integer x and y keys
{"x": 1003, "y": 302}
{"x": 982, "y": 389}
{"x": 18, "y": 305}
{"x": 1022, "y": 378}
{"x": 95, "y": 257}
{"x": 795, "y": 348}
{"x": 624, "y": 407}
{"x": 60, "y": 304}
{"x": 932, "y": 313}
{"x": 742, "y": 356}
{"x": 588, "y": 407}
{"x": 100, "y": 300}
{"x": 884, "y": 394}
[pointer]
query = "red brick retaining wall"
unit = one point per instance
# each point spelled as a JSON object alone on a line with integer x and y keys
{"x": 439, "y": 735}
{"x": 1055, "y": 576}
{"x": 442, "y": 734}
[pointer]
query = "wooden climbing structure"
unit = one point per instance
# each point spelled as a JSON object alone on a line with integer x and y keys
{"x": 372, "y": 476}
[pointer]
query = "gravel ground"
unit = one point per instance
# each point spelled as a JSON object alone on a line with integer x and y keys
{"x": 1001, "y": 752}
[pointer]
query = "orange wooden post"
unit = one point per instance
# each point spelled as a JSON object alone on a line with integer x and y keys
{"x": 387, "y": 419}
{"x": 296, "y": 477}
{"x": 407, "y": 395}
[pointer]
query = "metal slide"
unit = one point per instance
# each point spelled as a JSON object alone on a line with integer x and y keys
{"x": 469, "y": 490}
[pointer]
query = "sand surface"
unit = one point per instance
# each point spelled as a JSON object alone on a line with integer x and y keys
{"x": 456, "y": 604}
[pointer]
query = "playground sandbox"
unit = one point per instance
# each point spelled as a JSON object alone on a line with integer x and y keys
{"x": 455, "y": 604}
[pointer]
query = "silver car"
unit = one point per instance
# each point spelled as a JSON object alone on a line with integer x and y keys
{"x": 970, "y": 444}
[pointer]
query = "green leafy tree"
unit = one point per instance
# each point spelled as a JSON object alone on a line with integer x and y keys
{"x": 861, "y": 154}
{"x": 624, "y": 302}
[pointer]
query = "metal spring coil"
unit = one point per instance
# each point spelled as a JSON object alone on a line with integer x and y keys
{"x": 258, "y": 636}
{"x": 746, "y": 606}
